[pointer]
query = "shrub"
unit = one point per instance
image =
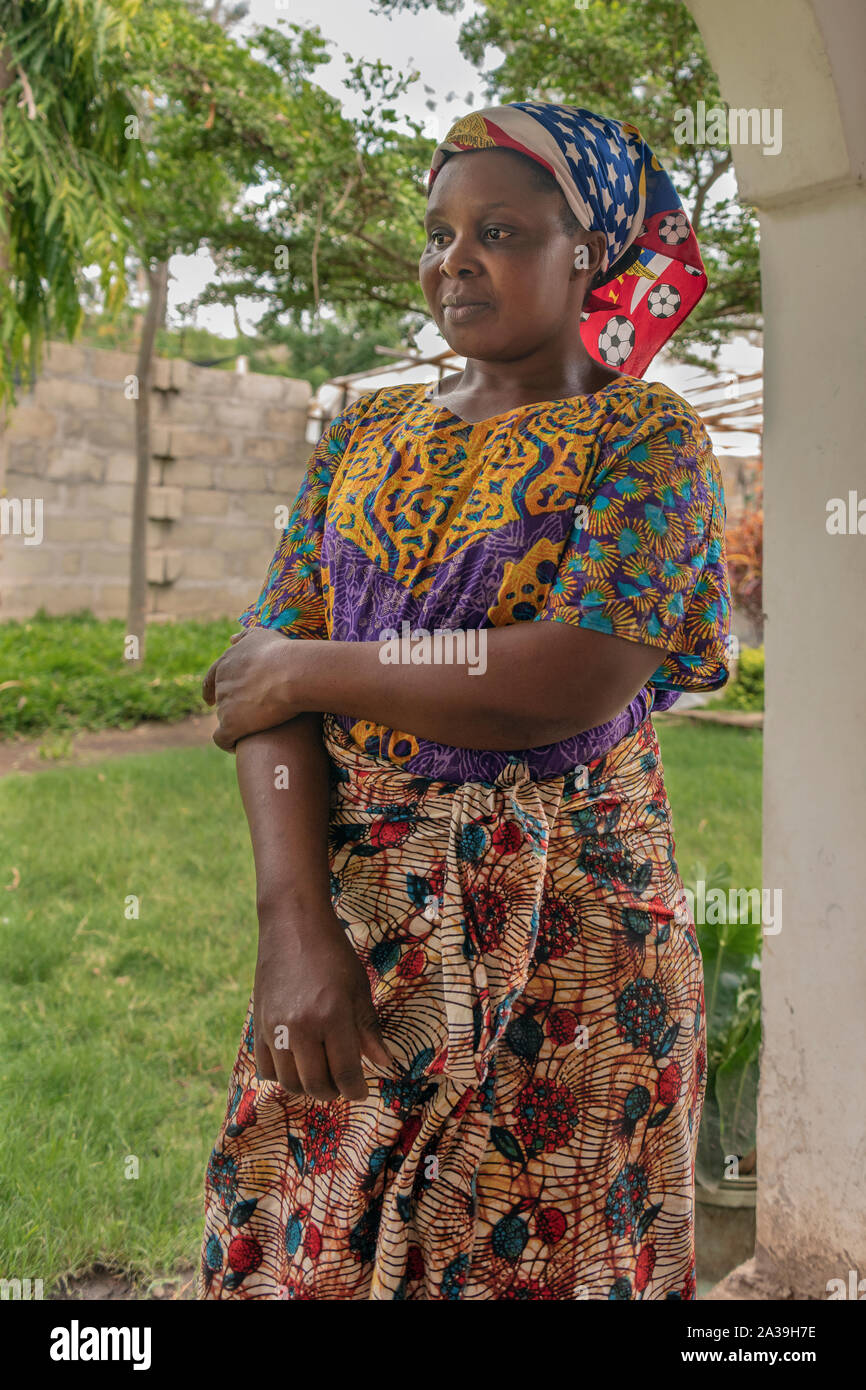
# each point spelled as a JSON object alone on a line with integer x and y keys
{"x": 747, "y": 691}
{"x": 744, "y": 547}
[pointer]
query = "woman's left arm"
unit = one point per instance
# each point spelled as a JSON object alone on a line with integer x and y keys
{"x": 527, "y": 685}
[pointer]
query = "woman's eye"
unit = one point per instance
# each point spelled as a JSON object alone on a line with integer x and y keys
{"x": 500, "y": 230}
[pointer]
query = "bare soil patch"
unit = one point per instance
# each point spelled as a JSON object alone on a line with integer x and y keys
{"x": 151, "y": 736}
{"x": 101, "y": 1285}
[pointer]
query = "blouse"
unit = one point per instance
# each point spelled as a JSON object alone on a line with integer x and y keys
{"x": 413, "y": 527}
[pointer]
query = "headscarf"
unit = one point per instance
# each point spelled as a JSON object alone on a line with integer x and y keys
{"x": 653, "y": 273}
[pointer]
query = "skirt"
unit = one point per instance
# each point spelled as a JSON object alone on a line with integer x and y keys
{"x": 537, "y": 976}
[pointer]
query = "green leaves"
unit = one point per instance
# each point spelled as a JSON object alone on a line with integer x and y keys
{"x": 62, "y": 159}
{"x": 731, "y": 958}
{"x": 747, "y": 691}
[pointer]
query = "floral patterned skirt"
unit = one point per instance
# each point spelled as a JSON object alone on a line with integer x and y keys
{"x": 538, "y": 979}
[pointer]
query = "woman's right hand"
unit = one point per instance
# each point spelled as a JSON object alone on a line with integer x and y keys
{"x": 313, "y": 1014}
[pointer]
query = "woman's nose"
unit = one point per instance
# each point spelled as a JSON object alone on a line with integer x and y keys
{"x": 457, "y": 259}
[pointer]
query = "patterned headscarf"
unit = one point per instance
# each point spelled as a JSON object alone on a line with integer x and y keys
{"x": 652, "y": 271}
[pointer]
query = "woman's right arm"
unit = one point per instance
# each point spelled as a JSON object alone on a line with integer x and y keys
{"x": 310, "y": 986}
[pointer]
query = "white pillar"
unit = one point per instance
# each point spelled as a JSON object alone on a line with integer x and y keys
{"x": 795, "y": 55}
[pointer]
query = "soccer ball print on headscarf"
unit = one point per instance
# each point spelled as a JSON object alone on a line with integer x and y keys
{"x": 652, "y": 273}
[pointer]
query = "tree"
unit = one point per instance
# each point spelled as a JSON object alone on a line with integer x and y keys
{"x": 129, "y": 142}
{"x": 340, "y": 224}
{"x": 640, "y": 60}
{"x": 65, "y": 163}
{"x": 189, "y": 183}
{"x": 246, "y": 155}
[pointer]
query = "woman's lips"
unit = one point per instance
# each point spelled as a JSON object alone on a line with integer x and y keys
{"x": 460, "y": 312}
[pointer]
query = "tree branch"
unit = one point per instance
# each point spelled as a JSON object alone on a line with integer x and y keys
{"x": 315, "y": 259}
{"x": 704, "y": 188}
{"x": 27, "y": 98}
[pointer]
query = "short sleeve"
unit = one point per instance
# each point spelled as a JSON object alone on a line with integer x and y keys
{"x": 292, "y": 597}
{"x": 646, "y": 557}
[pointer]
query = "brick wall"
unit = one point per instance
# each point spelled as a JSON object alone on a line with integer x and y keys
{"x": 227, "y": 449}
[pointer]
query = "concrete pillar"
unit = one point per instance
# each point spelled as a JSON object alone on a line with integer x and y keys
{"x": 797, "y": 55}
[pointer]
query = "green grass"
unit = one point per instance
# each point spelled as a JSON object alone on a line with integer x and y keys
{"x": 119, "y": 1034}
{"x": 713, "y": 779}
{"x": 95, "y": 1070}
{"x": 70, "y": 673}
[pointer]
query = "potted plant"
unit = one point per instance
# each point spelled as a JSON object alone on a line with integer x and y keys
{"x": 725, "y": 1172}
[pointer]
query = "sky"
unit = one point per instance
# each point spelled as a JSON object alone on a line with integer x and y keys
{"x": 425, "y": 43}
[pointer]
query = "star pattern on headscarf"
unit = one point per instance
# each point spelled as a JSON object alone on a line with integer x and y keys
{"x": 599, "y": 156}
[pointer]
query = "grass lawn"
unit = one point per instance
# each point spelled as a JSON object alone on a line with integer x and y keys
{"x": 59, "y": 675}
{"x": 713, "y": 778}
{"x": 120, "y": 1033}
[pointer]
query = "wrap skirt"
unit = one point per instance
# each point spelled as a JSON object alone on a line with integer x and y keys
{"x": 538, "y": 979}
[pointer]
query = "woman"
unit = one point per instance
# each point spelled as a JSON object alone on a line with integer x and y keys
{"x": 473, "y": 1065}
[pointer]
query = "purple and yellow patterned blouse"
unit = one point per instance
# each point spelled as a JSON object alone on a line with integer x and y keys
{"x": 606, "y": 511}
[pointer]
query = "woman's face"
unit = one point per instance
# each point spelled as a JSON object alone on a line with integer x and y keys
{"x": 497, "y": 242}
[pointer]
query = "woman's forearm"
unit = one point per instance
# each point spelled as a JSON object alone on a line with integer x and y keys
{"x": 540, "y": 683}
{"x": 313, "y": 1018}
{"x": 283, "y": 775}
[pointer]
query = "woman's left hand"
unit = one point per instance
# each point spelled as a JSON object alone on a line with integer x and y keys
{"x": 251, "y": 685}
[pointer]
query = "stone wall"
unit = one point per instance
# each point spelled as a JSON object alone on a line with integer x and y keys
{"x": 227, "y": 449}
